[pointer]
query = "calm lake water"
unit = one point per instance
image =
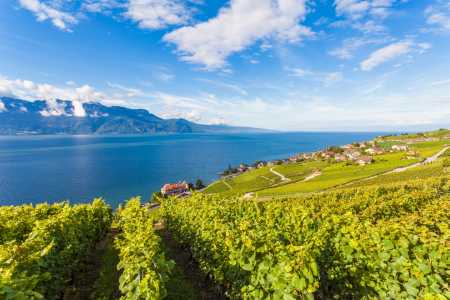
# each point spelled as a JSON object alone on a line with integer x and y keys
{"x": 37, "y": 169}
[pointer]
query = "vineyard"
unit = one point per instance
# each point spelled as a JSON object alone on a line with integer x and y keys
{"x": 445, "y": 154}
{"x": 336, "y": 175}
{"x": 421, "y": 172}
{"x": 389, "y": 242}
{"x": 42, "y": 247}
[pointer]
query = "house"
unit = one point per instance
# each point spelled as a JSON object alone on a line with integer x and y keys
{"x": 363, "y": 160}
{"x": 243, "y": 167}
{"x": 400, "y": 147}
{"x": 340, "y": 157}
{"x": 327, "y": 154}
{"x": 306, "y": 155}
{"x": 175, "y": 189}
{"x": 262, "y": 164}
{"x": 352, "y": 153}
{"x": 362, "y": 145}
{"x": 348, "y": 146}
{"x": 286, "y": 162}
{"x": 271, "y": 163}
{"x": 374, "y": 151}
{"x": 447, "y": 136}
{"x": 293, "y": 158}
{"x": 315, "y": 154}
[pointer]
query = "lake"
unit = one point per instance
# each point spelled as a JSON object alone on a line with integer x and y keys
{"x": 37, "y": 169}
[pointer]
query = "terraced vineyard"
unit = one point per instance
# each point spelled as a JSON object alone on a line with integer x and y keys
{"x": 336, "y": 175}
{"x": 381, "y": 242}
{"x": 421, "y": 172}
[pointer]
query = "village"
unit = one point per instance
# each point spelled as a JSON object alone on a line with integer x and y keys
{"x": 356, "y": 153}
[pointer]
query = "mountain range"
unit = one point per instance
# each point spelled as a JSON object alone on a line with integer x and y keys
{"x": 73, "y": 117}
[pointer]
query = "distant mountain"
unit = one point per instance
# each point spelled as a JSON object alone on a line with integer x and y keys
{"x": 72, "y": 117}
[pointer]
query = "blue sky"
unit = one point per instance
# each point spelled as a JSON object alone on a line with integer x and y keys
{"x": 279, "y": 64}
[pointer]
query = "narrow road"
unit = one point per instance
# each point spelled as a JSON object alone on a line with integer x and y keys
{"x": 278, "y": 174}
{"x": 427, "y": 159}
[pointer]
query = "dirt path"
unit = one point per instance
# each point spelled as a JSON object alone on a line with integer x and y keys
{"x": 278, "y": 174}
{"x": 82, "y": 285}
{"x": 227, "y": 185}
{"x": 204, "y": 288}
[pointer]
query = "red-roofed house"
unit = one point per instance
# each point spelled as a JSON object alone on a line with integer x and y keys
{"x": 293, "y": 158}
{"x": 175, "y": 189}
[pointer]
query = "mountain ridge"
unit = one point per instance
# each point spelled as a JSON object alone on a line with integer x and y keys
{"x": 73, "y": 117}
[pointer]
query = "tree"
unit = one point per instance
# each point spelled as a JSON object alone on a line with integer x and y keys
{"x": 157, "y": 196}
{"x": 198, "y": 183}
{"x": 191, "y": 185}
{"x": 230, "y": 170}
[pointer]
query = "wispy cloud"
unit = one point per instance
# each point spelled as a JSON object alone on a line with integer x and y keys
{"x": 163, "y": 77}
{"x": 439, "y": 82}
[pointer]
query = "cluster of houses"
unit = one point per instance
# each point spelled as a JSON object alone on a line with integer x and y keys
{"x": 349, "y": 153}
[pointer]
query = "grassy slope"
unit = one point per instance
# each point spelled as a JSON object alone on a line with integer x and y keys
{"x": 339, "y": 174}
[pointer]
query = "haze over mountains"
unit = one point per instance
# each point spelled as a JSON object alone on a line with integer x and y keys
{"x": 73, "y": 117}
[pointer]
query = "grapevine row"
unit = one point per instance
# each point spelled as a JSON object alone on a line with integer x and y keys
{"x": 384, "y": 242}
{"x": 141, "y": 257}
{"x": 41, "y": 265}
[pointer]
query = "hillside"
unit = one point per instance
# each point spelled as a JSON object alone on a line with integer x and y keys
{"x": 67, "y": 117}
{"x": 265, "y": 181}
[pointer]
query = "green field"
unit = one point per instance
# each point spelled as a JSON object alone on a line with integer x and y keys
{"x": 216, "y": 188}
{"x": 249, "y": 181}
{"x": 299, "y": 171}
{"x": 337, "y": 175}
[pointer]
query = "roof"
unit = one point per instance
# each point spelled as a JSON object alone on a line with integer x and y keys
{"x": 328, "y": 152}
{"x": 173, "y": 186}
{"x": 366, "y": 158}
{"x": 350, "y": 151}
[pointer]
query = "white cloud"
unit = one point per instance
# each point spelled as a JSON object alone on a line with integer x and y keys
{"x": 71, "y": 83}
{"x": 99, "y": 6}
{"x": 355, "y": 9}
{"x": 2, "y": 107}
{"x": 237, "y": 26}
{"x": 265, "y": 46}
{"x": 220, "y": 83}
{"x": 54, "y": 108}
{"x": 439, "y": 15}
{"x": 163, "y": 77}
{"x": 78, "y": 110}
{"x": 6, "y": 92}
{"x": 254, "y": 62}
{"x": 170, "y": 112}
{"x": 385, "y": 54}
{"x": 157, "y": 14}
{"x": 217, "y": 120}
{"x": 43, "y": 12}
